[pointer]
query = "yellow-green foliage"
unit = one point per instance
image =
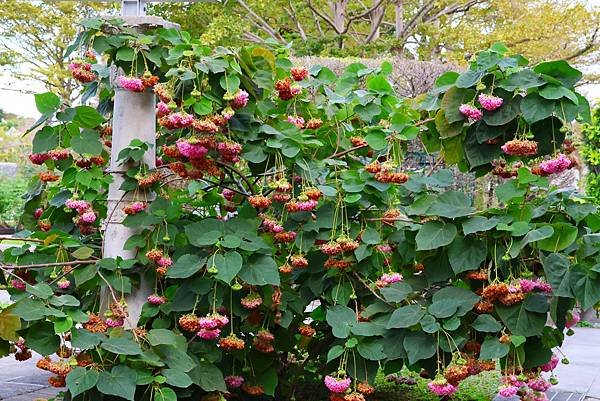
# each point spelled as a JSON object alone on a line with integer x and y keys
{"x": 591, "y": 153}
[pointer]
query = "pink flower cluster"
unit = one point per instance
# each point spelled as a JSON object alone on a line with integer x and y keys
{"x": 296, "y": 120}
{"x": 337, "y": 384}
{"x": 214, "y": 321}
{"x": 209, "y": 334}
{"x": 210, "y": 326}
{"x": 88, "y": 217}
{"x": 162, "y": 109}
{"x": 178, "y": 120}
{"x": 251, "y": 301}
{"x": 227, "y": 113}
{"x": 80, "y": 206}
{"x": 229, "y": 151}
{"x": 240, "y": 99}
{"x": 557, "y": 165}
{"x": 18, "y": 284}
{"x": 551, "y": 364}
{"x": 191, "y": 150}
{"x": 131, "y": 83}
{"x": 388, "y": 279}
{"x": 155, "y": 299}
{"x": 538, "y": 384}
{"x": 441, "y": 389}
{"x": 384, "y": 248}
{"x": 234, "y": 381}
{"x": 303, "y": 206}
{"x": 532, "y": 285}
{"x": 573, "y": 319}
{"x": 110, "y": 322}
{"x": 508, "y": 391}
{"x": 63, "y": 284}
{"x": 470, "y": 111}
{"x": 271, "y": 226}
{"x": 490, "y": 102}
{"x": 164, "y": 261}
{"x": 228, "y": 194}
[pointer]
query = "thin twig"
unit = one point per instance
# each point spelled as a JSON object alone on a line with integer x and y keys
{"x": 366, "y": 285}
{"x": 10, "y": 238}
{"x": 44, "y": 265}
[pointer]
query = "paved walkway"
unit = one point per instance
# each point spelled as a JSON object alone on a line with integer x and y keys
{"x": 22, "y": 381}
{"x": 582, "y": 374}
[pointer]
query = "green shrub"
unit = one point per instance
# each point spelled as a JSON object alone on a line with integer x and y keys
{"x": 11, "y": 201}
{"x": 482, "y": 387}
{"x": 591, "y": 154}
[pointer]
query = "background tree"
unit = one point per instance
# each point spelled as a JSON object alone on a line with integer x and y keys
{"x": 34, "y": 37}
{"x": 422, "y": 29}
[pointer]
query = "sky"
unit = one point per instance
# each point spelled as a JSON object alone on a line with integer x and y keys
{"x": 23, "y": 104}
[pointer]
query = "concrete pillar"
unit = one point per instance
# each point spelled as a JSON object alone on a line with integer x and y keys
{"x": 134, "y": 117}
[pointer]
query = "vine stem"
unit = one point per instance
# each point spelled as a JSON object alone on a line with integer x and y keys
{"x": 43, "y": 265}
{"x": 366, "y": 285}
{"x": 112, "y": 291}
{"x": 240, "y": 174}
{"x": 10, "y": 238}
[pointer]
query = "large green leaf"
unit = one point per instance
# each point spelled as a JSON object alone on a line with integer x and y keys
{"x": 585, "y": 283}
{"x": 536, "y": 108}
{"x": 520, "y": 321}
{"x": 45, "y": 139}
{"x": 260, "y": 270}
{"x": 452, "y": 100}
{"x": 406, "y": 316}
{"x": 443, "y": 309}
{"x": 88, "y": 143}
{"x": 523, "y": 79}
{"x": 120, "y": 381}
{"x": 506, "y": 113}
{"x": 47, "y": 103}
{"x": 492, "y": 349}
{"x": 186, "y": 266}
{"x": 121, "y": 346}
{"x": 556, "y": 92}
{"x": 564, "y": 235}
{"x": 486, "y": 324}
{"x": 469, "y": 78}
{"x": 479, "y": 223}
{"x": 560, "y": 70}
{"x": 536, "y": 235}
{"x": 558, "y": 274}
{"x": 205, "y": 232}
{"x": 451, "y": 204}
{"x": 9, "y": 324}
{"x": 208, "y": 377}
{"x": 81, "y": 379}
{"x": 87, "y": 117}
{"x": 466, "y": 253}
{"x": 341, "y": 319}
{"x": 41, "y": 339}
{"x": 371, "y": 349}
{"x": 162, "y": 336}
{"x": 435, "y": 234}
{"x": 418, "y": 346}
{"x": 177, "y": 378}
{"x": 396, "y": 292}
{"x": 228, "y": 265}
{"x": 467, "y": 299}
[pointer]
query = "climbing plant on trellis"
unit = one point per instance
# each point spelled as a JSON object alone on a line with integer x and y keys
{"x": 289, "y": 253}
